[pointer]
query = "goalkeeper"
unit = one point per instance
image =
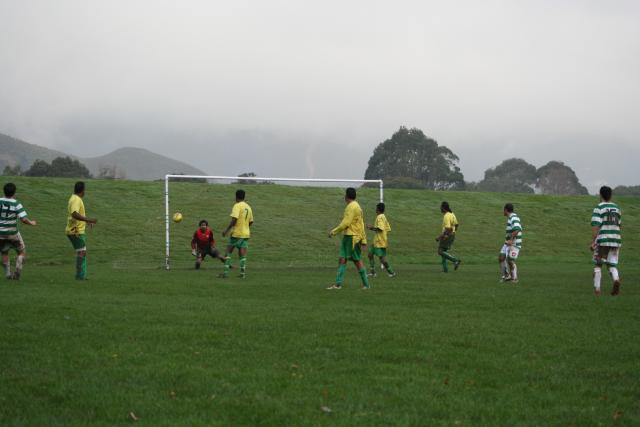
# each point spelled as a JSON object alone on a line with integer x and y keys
{"x": 204, "y": 244}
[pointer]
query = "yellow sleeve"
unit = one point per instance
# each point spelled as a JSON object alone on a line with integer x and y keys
{"x": 235, "y": 212}
{"x": 75, "y": 205}
{"x": 346, "y": 221}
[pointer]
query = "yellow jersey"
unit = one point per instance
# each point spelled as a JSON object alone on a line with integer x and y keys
{"x": 75, "y": 227}
{"x": 352, "y": 223}
{"x": 244, "y": 217}
{"x": 383, "y": 227}
{"x": 449, "y": 221}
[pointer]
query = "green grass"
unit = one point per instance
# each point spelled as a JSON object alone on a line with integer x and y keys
{"x": 182, "y": 347}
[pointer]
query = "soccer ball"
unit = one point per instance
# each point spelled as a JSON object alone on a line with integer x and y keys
{"x": 177, "y": 217}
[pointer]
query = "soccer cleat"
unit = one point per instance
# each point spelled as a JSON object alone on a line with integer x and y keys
{"x": 364, "y": 288}
{"x": 597, "y": 291}
{"x": 505, "y": 278}
{"x": 514, "y": 280}
{"x": 15, "y": 275}
{"x": 456, "y": 264}
{"x": 242, "y": 275}
{"x": 372, "y": 274}
{"x": 616, "y": 288}
{"x": 394, "y": 274}
{"x": 197, "y": 266}
{"x": 223, "y": 276}
{"x": 334, "y": 286}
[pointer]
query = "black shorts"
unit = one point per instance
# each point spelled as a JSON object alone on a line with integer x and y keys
{"x": 212, "y": 252}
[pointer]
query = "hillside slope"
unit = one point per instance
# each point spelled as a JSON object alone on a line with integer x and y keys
{"x": 291, "y": 223}
{"x": 128, "y": 162}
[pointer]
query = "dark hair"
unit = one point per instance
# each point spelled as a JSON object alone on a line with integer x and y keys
{"x": 606, "y": 193}
{"x": 351, "y": 193}
{"x": 240, "y": 194}
{"x": 445, "y": 206}
{"x": 78, "y": 188}
{"x": 508, "y": 207}
{"x": 9, "y": 189}
{"x": 380, "y": 207}
{"x": 203, "y": 221}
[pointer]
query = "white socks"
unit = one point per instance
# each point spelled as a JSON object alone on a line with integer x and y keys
{"x": 19, "y": 261}
{"x": 613, "y": 271}
{"x": 597, "y": 277}
{"x": 514, "y": 271}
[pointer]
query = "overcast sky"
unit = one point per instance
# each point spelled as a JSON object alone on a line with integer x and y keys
{"x": 296, "y": 88}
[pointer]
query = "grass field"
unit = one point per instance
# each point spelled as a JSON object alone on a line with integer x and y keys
{"x": 138, "y": 344}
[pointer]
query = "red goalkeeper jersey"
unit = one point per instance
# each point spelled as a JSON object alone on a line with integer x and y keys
{"x": 203, "y": 240}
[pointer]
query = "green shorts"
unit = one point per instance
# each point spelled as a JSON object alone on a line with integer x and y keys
{"x": 350, "y": 251}
{"x": 380, "y": 252}
{"x": 445, "y": 244}
{"x": 79, "y": 241}
{"x": 238, "y": 242}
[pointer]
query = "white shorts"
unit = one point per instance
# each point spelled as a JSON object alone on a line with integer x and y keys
{"x": 14, "y": 242}
{"x": 510, "y": 252}
{"x": 606, "y": 255}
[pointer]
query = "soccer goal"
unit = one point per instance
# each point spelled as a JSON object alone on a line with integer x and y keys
{"x": 243, "y": 179}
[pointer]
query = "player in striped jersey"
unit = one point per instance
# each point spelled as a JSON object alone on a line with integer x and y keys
{"x": 512, "y": 245}
{"x": 606, "y": 239}
{"x": 10, "y": 211}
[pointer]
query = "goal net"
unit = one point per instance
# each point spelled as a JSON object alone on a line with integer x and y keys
{"x": 200, "y": 196}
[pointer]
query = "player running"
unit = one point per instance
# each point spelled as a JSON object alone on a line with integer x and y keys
{"x": 446, "y": 238}
{"x": 352, "y": 228}
{"x": 380, "y": 243}
{"x": 606, "y": 239}
{"x": 512, "y": 245}
{"x": 241, "y": 221}
{"x": 10, "y": 238}
{"x": 203, "y": 244}
{"x": 76, "y": 224}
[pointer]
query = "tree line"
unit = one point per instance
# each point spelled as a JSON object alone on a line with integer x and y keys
{"x": 65, "y": 167}
{"x": 410, "y": 159}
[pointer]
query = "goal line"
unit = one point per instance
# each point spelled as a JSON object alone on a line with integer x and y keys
{"x": 169, "y": 177}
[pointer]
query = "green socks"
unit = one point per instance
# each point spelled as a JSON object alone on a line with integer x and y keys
{"x": 227, "y": 265}
{"x": 372, "y": 265}
{"x": 363, "y": 277}
{"x": 444, "y": 264}
{"x": 81, "y": 267}
{"x": 388, "y": 267}
{"x": 340, "y": 276}
{"x": 243, "y": 265}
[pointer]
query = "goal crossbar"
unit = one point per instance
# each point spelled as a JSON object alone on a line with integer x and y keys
{"x": 168, "y": 177}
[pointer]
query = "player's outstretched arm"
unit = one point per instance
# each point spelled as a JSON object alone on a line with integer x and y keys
{"x": 27, "y": 221}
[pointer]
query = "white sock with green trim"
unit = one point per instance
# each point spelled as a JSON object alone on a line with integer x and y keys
{"x": 614, "y": 274}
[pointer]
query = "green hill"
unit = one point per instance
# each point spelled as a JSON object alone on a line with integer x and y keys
{"x": 127, "y": 162}
{"x": 138, "y": 344}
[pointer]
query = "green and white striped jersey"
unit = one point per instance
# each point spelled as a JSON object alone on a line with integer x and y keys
{"x": 608, "y": 217}
{"x": 513, "y": 224}
{"x": 10, "y": 211}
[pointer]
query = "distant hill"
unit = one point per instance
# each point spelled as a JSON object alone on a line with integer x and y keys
{"x": 128, "y": 162}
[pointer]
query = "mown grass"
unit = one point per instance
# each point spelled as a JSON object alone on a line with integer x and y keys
{"x": 182, "y": 347}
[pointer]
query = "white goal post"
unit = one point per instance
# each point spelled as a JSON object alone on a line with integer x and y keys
{"x": 167, "y": 178}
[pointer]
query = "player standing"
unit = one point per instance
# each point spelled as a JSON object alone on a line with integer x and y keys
{"x": 241, "y": 221}
{"x": 10, "y": 238}
{"x": 203, "y": 244}
{"x": 352, "y": 228}
{"x": 606, "y": 239}
{"x": 446, "y": 238}
{"x": 512, "y": 245}
{"x": 76, "y": 224}
{"x": 380, "y": 242}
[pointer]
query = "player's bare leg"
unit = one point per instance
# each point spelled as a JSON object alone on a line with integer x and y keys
{"x": 198, "y": 260}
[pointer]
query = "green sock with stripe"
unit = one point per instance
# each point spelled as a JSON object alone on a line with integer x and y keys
{"x": 243, "y": 264}
{"x": 227, "y": 264}
{"x": 444, "y": 264}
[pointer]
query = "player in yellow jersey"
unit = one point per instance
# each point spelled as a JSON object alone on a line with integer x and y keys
{"x": 446, "y": 238}
{"x": 380, "y": 242}
{"x": 240, "y": 227}
{"x": 76, "y": 224}
{"x": 353, "y": 239}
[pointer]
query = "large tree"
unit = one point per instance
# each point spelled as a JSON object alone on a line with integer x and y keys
{"x": 512, "y": 175}
{"x": 411, "y": 154}
{"x": 60, "y": 166}
{"x": 558, "y": 178}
